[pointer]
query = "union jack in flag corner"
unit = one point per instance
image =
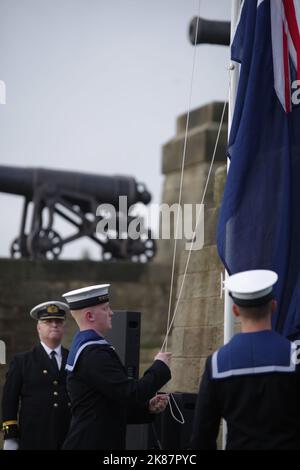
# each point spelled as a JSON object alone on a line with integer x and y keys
{"x": 259, "y": 225}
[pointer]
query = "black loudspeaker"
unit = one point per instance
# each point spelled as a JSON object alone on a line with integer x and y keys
{"x": 125, "y": 338}
{"x": 144, "y": 436}
{"x": 173, "y": 434}
{"x": 154, "y": 433}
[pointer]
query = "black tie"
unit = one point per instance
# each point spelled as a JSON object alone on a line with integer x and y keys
{"x": 54, "y": 361}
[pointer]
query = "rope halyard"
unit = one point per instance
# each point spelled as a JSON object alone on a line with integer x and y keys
{"x": 182, "y": 175}
{"x": 170, "y": 324}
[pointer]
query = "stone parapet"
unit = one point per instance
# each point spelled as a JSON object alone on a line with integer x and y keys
{"x": 200, "y": 148}
{"x": 209, "y": 113}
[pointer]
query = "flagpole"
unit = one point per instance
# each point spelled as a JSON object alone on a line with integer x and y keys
{"x": 234, "y": 80}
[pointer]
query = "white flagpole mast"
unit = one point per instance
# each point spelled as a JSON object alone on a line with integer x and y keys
{"x": 234, "y": 80}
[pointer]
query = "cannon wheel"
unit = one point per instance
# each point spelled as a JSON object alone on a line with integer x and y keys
{"x": 19, "y": 250}
{"x": 42, "y": 244}
{"x": 141, "y": 250}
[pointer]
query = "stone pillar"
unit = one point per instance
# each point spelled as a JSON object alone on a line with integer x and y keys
{"x": 202, "y": 134}
{"x": 198, "y": 326}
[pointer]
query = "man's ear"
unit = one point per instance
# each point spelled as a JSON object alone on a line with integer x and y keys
{"x": 89, "y": 315}
{"x": 235, "y": 310}
{"x": 273, "y": 306}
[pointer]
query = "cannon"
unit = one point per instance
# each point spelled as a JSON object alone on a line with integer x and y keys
{"x": 76, "y": 198}
{"x": 209, "y": 32}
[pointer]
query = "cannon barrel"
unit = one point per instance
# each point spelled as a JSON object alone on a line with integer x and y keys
{"x": 209, "y": 32}
{"x": 105, "y": 189}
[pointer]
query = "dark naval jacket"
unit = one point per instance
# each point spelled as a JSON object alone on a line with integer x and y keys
{"x": 104, "y": 399}
{"x": 254, "y": 384}
{"x": 35, "y": 403}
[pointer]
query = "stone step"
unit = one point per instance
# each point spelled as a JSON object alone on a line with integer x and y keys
{"x": 200, "y": 312}
{"x": 199, "y": 285}
{"x": 201, "y": 260}
{"x": 196, "y": 342}
{"x": 211, "y": 112}
{"x": 200, "y": 148}
{"x": 187, "y": 371}
{"x": 194, "y": 183}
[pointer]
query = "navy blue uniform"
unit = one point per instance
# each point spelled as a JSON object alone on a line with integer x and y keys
{"x": 104, "y": 399}
{"x": 35, "y": 397}
{"x": 254, "y": 384}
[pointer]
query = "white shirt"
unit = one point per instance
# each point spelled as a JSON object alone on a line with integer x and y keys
{"x": 58, "y": 355}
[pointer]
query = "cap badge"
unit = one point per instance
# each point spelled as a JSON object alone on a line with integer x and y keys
{"x": 52, "y": 309}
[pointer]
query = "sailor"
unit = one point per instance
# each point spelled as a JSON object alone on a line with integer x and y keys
{"x": 253, "y": 382}
{"x": 104, "y": 399}
{"x": 35, "y": 404}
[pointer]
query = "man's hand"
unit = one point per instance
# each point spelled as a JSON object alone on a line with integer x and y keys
{"x": 158, "y": 403}
{"x": 165, "y": 357}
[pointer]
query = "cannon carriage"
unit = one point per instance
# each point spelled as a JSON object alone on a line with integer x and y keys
{"x": 74, "y": 197}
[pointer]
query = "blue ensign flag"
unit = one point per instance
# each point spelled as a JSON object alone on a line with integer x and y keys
{"x": 259, "y": 225}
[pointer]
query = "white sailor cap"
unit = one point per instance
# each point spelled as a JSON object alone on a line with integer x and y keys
{"x": 87, "y": 297}
{"x": 251, "y": 288}
{"x": 50, "y": 310}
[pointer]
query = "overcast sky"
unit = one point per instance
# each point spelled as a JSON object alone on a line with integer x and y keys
{"x": 96, "y": 86}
